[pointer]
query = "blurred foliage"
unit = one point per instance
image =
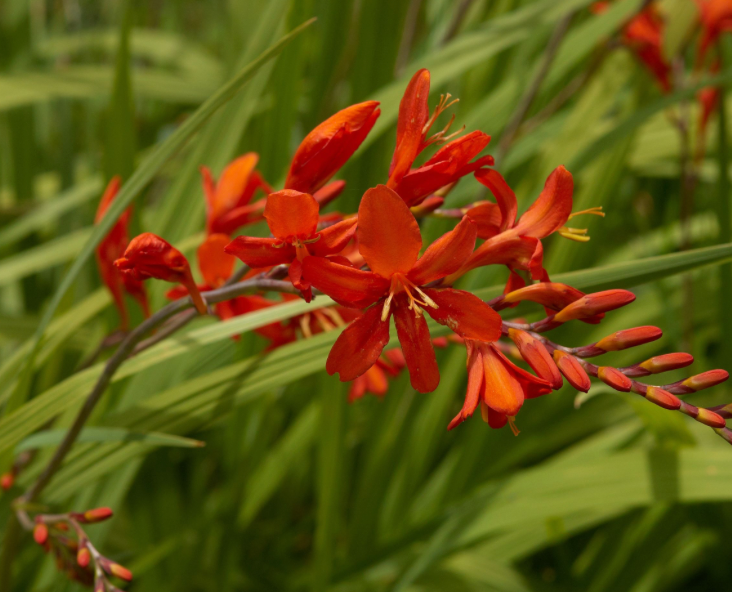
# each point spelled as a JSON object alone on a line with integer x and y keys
{"x": 295, "y": 488}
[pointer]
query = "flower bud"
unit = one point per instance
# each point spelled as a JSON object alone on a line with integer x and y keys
{"x": 572, "y": 370}
{"x": 550, "y": 294}
{"x": 662, "y": 398}
{"x": 40, "y": 533}
{"x": 614, "y": 378}
{"x": 536, "y": 355}
{"x": 121, "y": 572}
{"x": 83, "y": 557}
{"x": 92, "y": 516}
{"x": 99, "y": 584}
{"x": 7, "y": 480}
{"x": 629, "y": 338}
{"x": 592, "y": 304}
{"x": 710, "y": 418}
{"x": 667, "y": 362}
{"x": 705, "y": 380}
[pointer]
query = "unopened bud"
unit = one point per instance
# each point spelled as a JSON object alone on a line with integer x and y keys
{"x": 706, "y": 380}
{"x": 92, "y": 516}
{"x": 553, "y": 295}
{"x": 614, "y": 378}
{"x": 710, "y": 418}
{"x": 536, "y": 355}
{"x": 83, "y": 557}
{"x": 40, "y": 533}
{"x": 572, "y": 370}
{"x": 662, "y": 398}
{"x": 7, "y": 480}
{"x": 99, "y": 584}
{"x": 667, "y": 362}
{"x": 115, "y": 569}
{"x": 629, "y": 338}
{"x": 592, "y": 304}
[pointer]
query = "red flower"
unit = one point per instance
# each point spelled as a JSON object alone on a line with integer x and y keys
{"x": 449, "y": 164}
{"x": 643, "y": 35}
{"x": 109, "y": 250}
{"x": 390, "y": 242}
{"x": 228, "y": 204}
{"x": 149, "y": 256}
{"x": 498, "y": 385}
{"x": 292, "y": 217}
{"x": 517, "y": 243}
{"x": 329, "y": 146}
{"x": 716, "y": 18}
{"x": 376, "y": 379}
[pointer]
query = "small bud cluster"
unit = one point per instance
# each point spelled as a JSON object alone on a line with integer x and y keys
{"x": 550, "y": 361}
{"x": 76, "y": 556}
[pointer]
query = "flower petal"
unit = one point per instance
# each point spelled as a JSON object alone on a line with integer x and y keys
{"x": 413, "y": 115}
{"x": 551, "y": 209}
{"x": 503, "y": 392}
{"x": 329, "y": 192}
{"x": 515, "y": 251}
{"x": 346, "y": 285}
{"x": 475, "y": 385}
{"x": 464, "y": 313}
{"x": 215, "y": 265}
{"x": 414, "y": 337}
{"x": 388, "y": 233}
{"x": 233, "y": 183}
{"x": 505, "y": 197}
{"x": 260, "y": 252}
{"x": 359, "y": 345}
{"x": 334, "y": 238}
{"x": 291, "y": 213}
{"x": 487, "y": 217}
{"x": 327, "y": 148}
{"x": 446, "y": 255}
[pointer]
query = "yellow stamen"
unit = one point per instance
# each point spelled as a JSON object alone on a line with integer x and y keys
{"x": 512, "y": 425}
{"x": 305, "y": 325}
{"x": 334, "y": 316}
{"x": 323, "y": 321}
{"x": 596, "y": 211}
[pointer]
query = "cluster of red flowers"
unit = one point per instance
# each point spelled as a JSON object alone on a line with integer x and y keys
{"x": 63, "y": 536}
{"x": 369, "y": 263}
{"x": 644, "y": 34}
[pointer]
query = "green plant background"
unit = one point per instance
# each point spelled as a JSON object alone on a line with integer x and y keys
{"x": 295, "y": 488}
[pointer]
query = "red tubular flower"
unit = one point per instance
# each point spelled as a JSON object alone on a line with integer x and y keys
{"x": 497, "y": 384}
{"x": 593, "y": 304}
{"x": 149, "y": 256}
{"x": 716, "y": 18}
{"x": 449, "y": 164}
{"x": 292, "y": 217}
{"x": 572, "y": 370}
{"x": 614, "y": 378}
{"x": 390, "y": 242}
{"x": 327, "y": 148}
{"x": 228, "y": 202}
{"x": 111, "y": 248}
{"x": 537, "y": 356}
{"x": 518, "y": 243}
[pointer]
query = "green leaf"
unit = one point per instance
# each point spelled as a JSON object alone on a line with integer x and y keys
{"x": 48, "y": 438}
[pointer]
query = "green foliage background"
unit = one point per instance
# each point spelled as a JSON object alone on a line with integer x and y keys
{"x": 296, "y": 489}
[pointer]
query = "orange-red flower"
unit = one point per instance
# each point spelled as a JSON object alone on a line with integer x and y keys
{"x": 497, "y": 384}
{"x": 228, "y": 201}
{"x": 449, "y": 164}
{"x": 109, "y": 250}
{"x": 292, "y": 218}
{"x": 517, "y": 243}
{"x": 643, "y": 35}
{"x": 716, "y": 18}
{"x": 329, "y": 146}
{"x": 390, "y": 241}
{"x": 149, "y": 256}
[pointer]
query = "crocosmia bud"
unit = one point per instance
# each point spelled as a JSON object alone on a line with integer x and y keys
{"x": 614, "y": 378}
{"x": 662, "y": 398}
{"x": 667, "y": 362}
{"x": 83, "y": 557}
{"x": 629, "y": 338}
{"x": 536, "y": 355}
{"x": 7, "y": 480}
{"x": 705, "y": 380}
{"x": 91, "y": 516}
{"x": 572, "y": 370}
{"x": 40, "y": 533}
{"x": 592, "y": 304}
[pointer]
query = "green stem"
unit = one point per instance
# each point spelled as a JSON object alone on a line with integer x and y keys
{"x": 724, "y": 213}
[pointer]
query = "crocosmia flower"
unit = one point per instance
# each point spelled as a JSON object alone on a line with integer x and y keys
{"x": 292, "y": 217}
{"x": 149, "y": 256}
{"x": 111, "y": 248}
{"x": 716, "y": 18}
{"x": 228, "y": 201}
{"x": 390, "y": 241}
{"x": 329, "y": 146}
{"x": 450, "y": 163}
